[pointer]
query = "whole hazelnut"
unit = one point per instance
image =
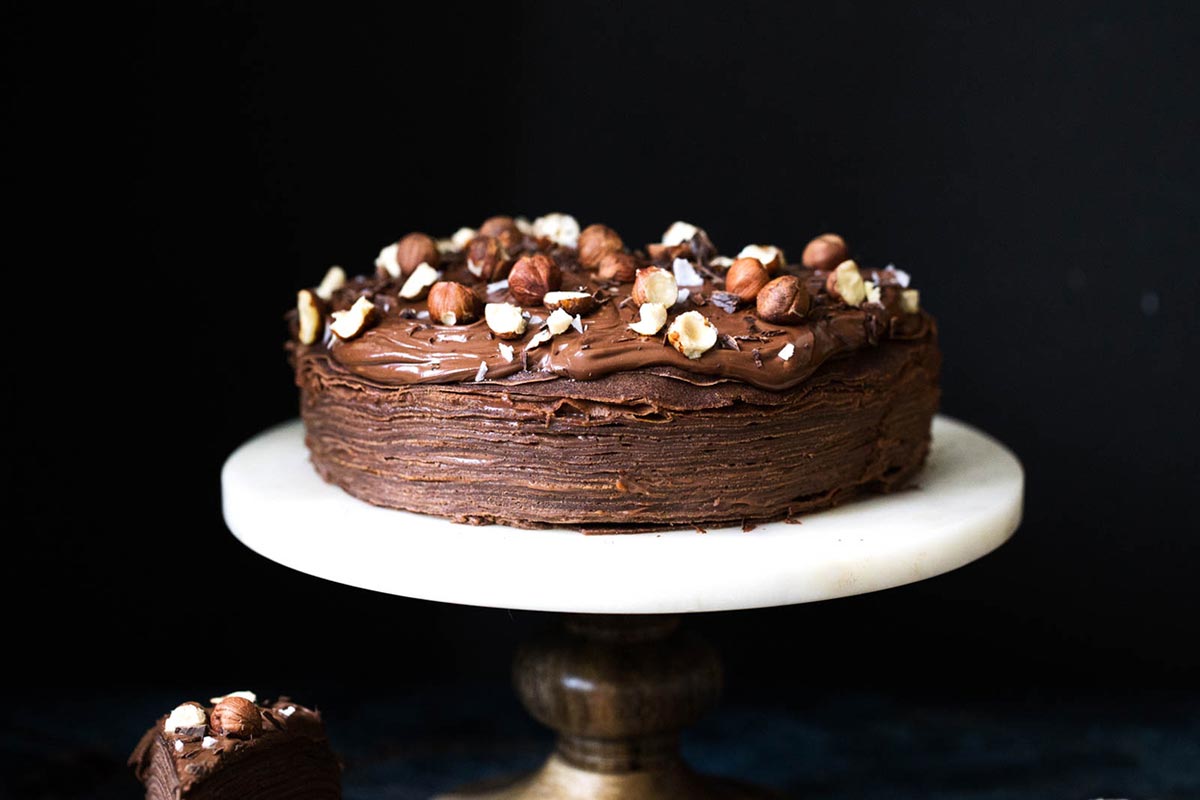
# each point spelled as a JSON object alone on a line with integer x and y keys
{"x": 487, "y": 258}
{"x": 503, "y": 228}
{"x": 783, "y": 301}
{"x": 824, "y": 252}
{"x": 595, "y": 242}
{"x": 746, "y": 278}
{"x": 655, "y": 285}
{"x": 414, "y": 249}
{"x": 532, "y": 276}
{"x": 621, "y": 267}
{"x": 236, "y": 717}
{"x": 451, "y": 303}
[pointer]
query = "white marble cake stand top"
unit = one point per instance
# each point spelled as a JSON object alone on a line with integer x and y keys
{"x": 968, "y": 503}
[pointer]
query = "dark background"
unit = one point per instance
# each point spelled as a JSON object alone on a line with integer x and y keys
{"x": 181, "y": 173}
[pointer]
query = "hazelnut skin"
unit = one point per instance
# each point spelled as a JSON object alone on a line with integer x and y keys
{"x": 824, "y": 252}
{"x": 236, "y": 717}
{"x": 503, "y": 228}
{"x": 487, "y": 255}
{"x": 620, "y": 267}
{"x": 783, "y": 301}
{"x": 414, "y": 249}
{"x": 746, "y": 278}
{"x": 451, "y": 303}
{"x": 532, "y": 276}
{"x": 595, "y": 242}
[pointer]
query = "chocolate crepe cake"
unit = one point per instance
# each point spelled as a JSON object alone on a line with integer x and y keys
{"x": 237, "y": 748}
{"x": 539, "y": 375}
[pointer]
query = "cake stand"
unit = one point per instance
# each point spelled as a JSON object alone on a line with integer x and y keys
{"x": 621, "y": 678}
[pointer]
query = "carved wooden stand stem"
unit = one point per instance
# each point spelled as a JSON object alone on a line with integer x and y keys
{"x": 617, "y": 690}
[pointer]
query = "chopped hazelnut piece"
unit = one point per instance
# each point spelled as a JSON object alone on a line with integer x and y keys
{"x": 334, "y": 279}
{"x": 538, "y": 338}
{"x": 846, "y": 283}
{"x": 571, "y": 302}
{"x": 655, "y": 285}
{"x": 504, "y": 319}
{"x": 559, "y": 321}
{"x": 679, "y": 233}
{"x": 419, "y": 281}
{"x": 187, "y": 715}
{"x": 692, "y": 334}
{"x": 652, "y": 317}
{"x": 561, "y": 229}
{"x": 350, "y": 323}
{"x": 309, "y": 316}
{"x": 245, "y": 694}
{"x": 873, "y": 292}
{"x": 386, "y": 261}
{"x": 770, "y": 256}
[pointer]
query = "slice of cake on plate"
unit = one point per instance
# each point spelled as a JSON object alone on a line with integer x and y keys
{"x": 238, "y": 748}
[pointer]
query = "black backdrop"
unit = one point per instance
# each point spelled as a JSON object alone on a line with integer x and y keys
{"x": 181, "y": 173}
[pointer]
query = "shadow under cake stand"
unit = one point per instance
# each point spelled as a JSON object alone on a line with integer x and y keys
{"x": 621, "y": 679}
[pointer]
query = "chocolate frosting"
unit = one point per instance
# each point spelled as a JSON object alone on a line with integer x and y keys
{"x": 406, "y": 347}
{"x": 291, "y": 758}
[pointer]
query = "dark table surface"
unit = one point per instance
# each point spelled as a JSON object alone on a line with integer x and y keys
{"x": 412, "y": 744}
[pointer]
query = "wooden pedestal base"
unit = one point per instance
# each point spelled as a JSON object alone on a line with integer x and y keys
{"x": 617, "y": 690}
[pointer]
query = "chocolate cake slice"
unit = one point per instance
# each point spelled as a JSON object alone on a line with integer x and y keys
{"x": 539, "y": 375}
{"x": 238, "y": 749}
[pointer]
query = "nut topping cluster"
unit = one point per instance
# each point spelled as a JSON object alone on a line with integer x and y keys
{"x": 236, "y": 715}
{"x": 531, "y": 283}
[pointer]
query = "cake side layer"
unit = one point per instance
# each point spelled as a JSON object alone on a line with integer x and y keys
{"x": 626, "y": 453}
{"x": 295, "y": 769}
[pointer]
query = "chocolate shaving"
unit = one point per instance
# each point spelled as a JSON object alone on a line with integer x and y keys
{"x": 191, "y": 731}
{"x": 702, "y": 247}
{"x": 584, "y": 346}
{"x": 408, "y": 313}
{"x": 726, "y": 301}
{"x": 748, "y": 526}
{"x": 757, "y": 358}
{"x": 698, "y": 299}
{"x": 628, "y": 301}
{"x": 728, "y": 342}
{"x": 525, "y": 361}
{"x": 600, "y": 297}
{"x": 196, "y": 769}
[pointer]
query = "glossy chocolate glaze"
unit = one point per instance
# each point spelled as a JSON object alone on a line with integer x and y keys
{"x": 406, "y": 347}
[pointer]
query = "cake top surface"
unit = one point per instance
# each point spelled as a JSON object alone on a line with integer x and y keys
{"x": 518, "y": 302}
{"x": 201, "y": 740}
